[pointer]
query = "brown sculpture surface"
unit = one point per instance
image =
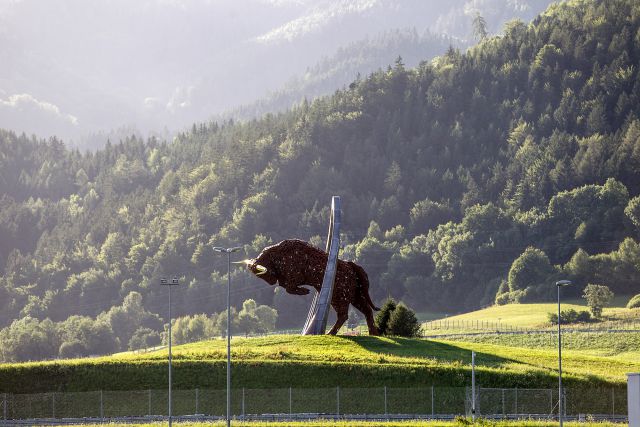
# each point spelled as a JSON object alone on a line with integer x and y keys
{"x": 294, "y": 263}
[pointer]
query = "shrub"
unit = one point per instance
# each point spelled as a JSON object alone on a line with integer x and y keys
{"x": 403, "y": 322}
{"x": 634, "y": 302}
{"x": 502, "y": 299}
{"x": 569, "y": 316}
{"x": 382, "y": 318}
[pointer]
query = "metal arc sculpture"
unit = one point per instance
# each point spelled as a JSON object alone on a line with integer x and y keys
{"x": 316, "y": 323}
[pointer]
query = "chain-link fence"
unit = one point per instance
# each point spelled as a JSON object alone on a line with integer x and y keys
{"x": 436, "y": 402}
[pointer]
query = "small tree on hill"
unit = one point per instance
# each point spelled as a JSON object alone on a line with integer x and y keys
{"x": 403, "y": 322}
{"x": 382, "y": 318}
{"x": 598, "y": 297}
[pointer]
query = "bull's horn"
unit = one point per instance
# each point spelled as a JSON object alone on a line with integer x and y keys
{"x": 244, "y": 261}
{"x": 261, "y": 269}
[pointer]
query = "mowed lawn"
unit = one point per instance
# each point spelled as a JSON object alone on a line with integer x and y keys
{"x": 321, "y": 361}
{"x": 366, "y": 350}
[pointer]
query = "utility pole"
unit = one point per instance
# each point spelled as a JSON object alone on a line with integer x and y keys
{"x": 165, "y": 282}
{"x": 228, "y": 251}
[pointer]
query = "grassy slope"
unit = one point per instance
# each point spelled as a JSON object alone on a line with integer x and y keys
{"x": 535, "y": 315}
{"x": 283, "y": 361}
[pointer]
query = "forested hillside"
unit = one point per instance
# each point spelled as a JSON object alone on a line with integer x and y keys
{"x": 477, "y": 177}
{"x": 345, "y": 65}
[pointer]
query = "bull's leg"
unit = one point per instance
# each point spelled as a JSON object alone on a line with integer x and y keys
{"x": 343, "y": 315}
{"x": 363, "y": 306}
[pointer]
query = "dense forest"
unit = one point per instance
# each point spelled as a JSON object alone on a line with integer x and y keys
{"x": 477, "y": 178}
{"x": 346, "y": 64}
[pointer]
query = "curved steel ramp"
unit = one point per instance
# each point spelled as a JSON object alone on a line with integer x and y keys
{"x": 316, "y": 323}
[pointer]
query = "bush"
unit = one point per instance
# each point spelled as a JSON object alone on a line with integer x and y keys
{"x": 503, "y": 299}
{"x": 403, "y": 322}
{"x": 634, "y": 302}
{"x": 383, "y": 316}
{"x": 570, "y": 316}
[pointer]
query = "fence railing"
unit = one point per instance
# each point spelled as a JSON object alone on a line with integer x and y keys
{"x": 491, "y": 326}
{"x": 436, "y": 402}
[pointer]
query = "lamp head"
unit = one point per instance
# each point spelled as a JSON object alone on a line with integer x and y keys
{"x": 561, "y": 283}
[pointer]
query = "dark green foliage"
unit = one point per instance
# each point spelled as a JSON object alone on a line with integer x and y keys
{"x": 598, "y": 297}
{"x": 634, "y": 302}
{"x": 403, "y": 322}
{"x": 144, "y": 338}
{"x": 569, "y": 316}
{"x": 384, "y": 315}
{"x": 530, "y": 272}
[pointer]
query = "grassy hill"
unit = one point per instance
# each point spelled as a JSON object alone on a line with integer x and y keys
{"x": 534, "y": 315}
{"x": 324, "y": 361}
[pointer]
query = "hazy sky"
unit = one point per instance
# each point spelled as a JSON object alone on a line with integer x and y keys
{"x": 70, "y": 67}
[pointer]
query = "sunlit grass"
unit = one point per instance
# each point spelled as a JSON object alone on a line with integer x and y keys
{"x": 535, "y": 315}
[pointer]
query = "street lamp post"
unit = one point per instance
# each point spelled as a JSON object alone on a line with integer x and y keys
{"x": 228, "y": 251}
{"x": 560, "y": 284}
{"x": 173, "y": 282}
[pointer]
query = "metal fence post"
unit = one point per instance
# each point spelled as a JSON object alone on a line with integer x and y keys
{"x": 433, "y": 413}
{"x": 198, "y": 396}
{"x": 243, "y": 403}
{"x": 53, "y": 404}
{"x": 516, "y": 401}
{"x": 149, "y": 401}
{"x": 613, "y": 403}
{"x": 551, "y": 400}
{"x": 503, "y": 409}
{"x": 5, "y": 406}
{"x": 101, "y": 407}
{"x": 338, "y": 400}
{"x": 385, "y": 400}
{"x": 290, "y": 403}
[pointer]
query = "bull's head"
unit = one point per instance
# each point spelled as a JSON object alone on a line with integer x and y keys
{"x": 263, "y": 272}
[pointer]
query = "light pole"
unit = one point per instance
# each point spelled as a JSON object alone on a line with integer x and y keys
{"x": 560, "y": 284}
{"x": 228, "y": 251}
{"x": 173, "y": 282}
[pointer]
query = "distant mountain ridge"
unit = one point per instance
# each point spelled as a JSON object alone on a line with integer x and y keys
{"x": 349, "y": 63}
{"x": 77, "y": 68}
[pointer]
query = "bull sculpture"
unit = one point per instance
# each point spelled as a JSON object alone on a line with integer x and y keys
{"x": 294, "y": 263}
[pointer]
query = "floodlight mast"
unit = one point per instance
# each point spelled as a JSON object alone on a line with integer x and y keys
{"x": 560, "y": 284}
{"x": 165, "y": 282}
{"x": 228, "y": 251}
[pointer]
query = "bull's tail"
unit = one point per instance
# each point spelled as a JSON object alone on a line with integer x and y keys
{"x": 363, "y": 282}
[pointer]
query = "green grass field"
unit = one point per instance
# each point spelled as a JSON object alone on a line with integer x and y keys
{"x": 535, "y": 315}
{"x": 322, "y": 361}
